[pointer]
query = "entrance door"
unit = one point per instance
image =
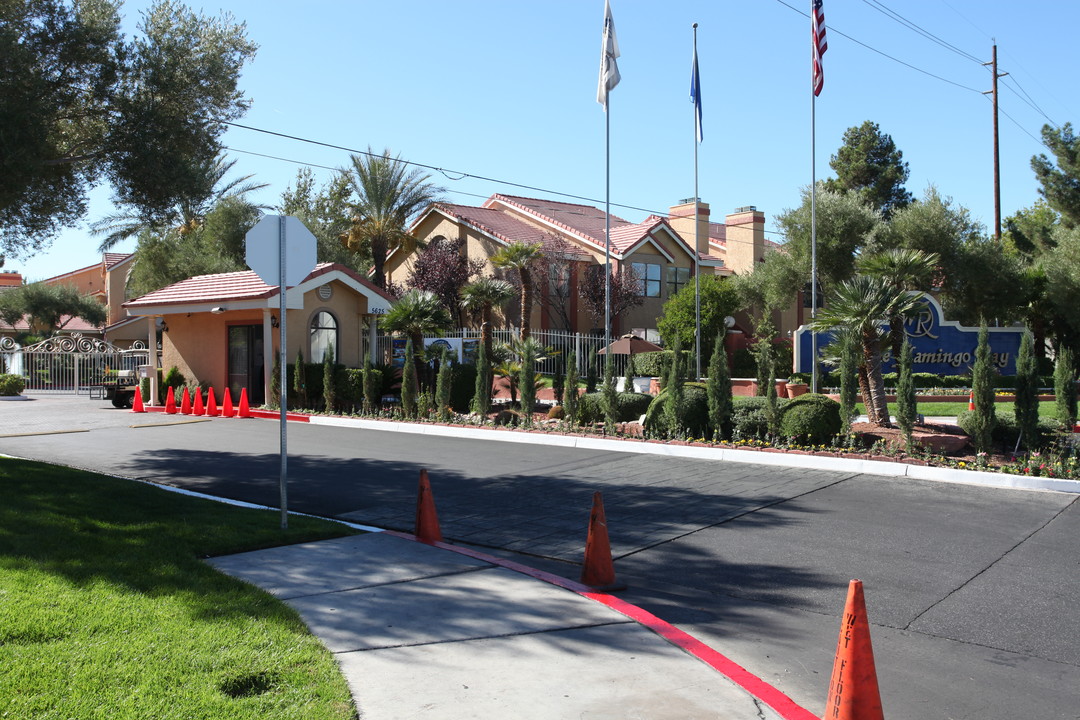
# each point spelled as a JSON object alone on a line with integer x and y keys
{"x": 246, "y": 362}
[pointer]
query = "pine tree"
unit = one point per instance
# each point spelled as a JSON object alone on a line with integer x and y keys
{"x": 674, "y": 389}
{"x": 628, "y": 378}
{"x": 609, "y": 397}
{"x": 906, "y": 407}
{"x": 763, "y": 353}
{"x": 1026, "y": 402}
{"x": 1065, "y": 388}
{"x": 481, "y": 402}
{"x": 849, "y": 380}
{"x": 300, "y": 380}
{"x": 329, "y": 385}
{"x": 371, "y": 399}
{"x": 558, "y": 378}
{"x": 982, "y": 387}
{"x": 772, "y": 405}
{"x": 718, "y": 390}
{"x": 570, "y": 397}
{"x": 408, "y": 382}
{"x": 590, "y": 372}
{"x": 442, "y": 387}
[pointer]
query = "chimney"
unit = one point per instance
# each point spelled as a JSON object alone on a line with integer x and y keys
{"x": 745, "y": 239}
{"x": 685, "y": 217}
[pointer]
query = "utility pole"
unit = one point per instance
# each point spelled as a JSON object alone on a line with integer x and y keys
{"x": 997, "y": 168}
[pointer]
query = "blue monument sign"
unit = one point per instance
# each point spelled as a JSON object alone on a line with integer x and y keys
{"x": 940, "y": 346}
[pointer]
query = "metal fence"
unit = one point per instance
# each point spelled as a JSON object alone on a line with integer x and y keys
{"x": 560, "y": 342}
{"x": 68, "y": 364}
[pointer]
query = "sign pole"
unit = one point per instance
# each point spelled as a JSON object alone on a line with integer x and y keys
{"x": 284, "y": 388}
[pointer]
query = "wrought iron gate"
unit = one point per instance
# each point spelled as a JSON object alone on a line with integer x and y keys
{"x": 68, "y": 364}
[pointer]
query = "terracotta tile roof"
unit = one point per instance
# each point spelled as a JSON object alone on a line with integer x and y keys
{"x": 111, "y": 259}
{"x": 495, "y": 222}
{"x": 242, "y": 285}
{"x": 582, "y": 220}
{"x": 69, "y": 325}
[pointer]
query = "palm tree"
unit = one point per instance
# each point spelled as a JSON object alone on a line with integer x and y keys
{"x": 479, "y": 298}
{"x": 519, "y": 256}
{"x": 416, "y": 314}
{"x": 389, "y": 195}
{"x": 903, "y": 269}
{"x": 188, "y": 215}
{"x": 863, "y": 305}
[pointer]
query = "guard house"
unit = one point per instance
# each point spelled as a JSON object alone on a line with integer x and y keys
{"x": 223, "y": 329}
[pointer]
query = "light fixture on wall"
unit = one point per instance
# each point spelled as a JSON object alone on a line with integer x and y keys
{"x": 274, "y": 321}
{"x": 217, "y": 310}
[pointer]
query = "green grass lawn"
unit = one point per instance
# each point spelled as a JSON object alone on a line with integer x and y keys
{"x": 1047, "y": 409}
{"x": 107, "y": 611}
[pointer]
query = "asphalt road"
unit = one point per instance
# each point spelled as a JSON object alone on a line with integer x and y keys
{"x": 972, "y": 592}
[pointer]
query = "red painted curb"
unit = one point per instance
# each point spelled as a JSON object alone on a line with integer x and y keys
{"x": 777, "y": 700}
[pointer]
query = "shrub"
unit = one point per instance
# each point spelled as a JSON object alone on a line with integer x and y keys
{"x": 694, "y": 412}
{"x": 628, "y": 407}
{"x": 743, "y": 364}
{"x": 556, "y": 412}
{"x": 658, "y": 363}
{"x": 652, "y": 364}
{"x": 1006, "y": 430}
{"x": 811, "y": 418}
{"x": 174, "y": 379}
{"x": 11, "y": 385}
{"x": 462, "y": 387}
{"x": 749, "y": 416}
{"x": 350, "y": 387}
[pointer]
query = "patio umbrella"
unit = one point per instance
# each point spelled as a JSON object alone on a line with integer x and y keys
{"x": 630, "y": 345}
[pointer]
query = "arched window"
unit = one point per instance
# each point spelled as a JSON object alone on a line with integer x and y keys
{"x": 324, "y": 332}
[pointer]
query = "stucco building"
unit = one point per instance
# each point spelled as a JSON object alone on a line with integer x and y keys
{"x": 662, "y": 252}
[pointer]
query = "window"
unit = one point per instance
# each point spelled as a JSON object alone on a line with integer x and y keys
{"x": 323, "y": 334}
{"x": 648, "y": 275}
{"x": 677, "y": 279}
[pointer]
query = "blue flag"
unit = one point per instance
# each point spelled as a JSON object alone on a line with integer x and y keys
{"x": 695, "y": 97}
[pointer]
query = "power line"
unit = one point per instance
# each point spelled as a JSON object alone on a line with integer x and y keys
{"x": 427, "y": 167}
{"x": 883, "y": 54}
{"x": 439, "y": 170}
{"x": 888, "y": 12}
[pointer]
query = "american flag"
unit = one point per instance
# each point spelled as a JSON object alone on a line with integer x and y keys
{"x": 817, "y": 26}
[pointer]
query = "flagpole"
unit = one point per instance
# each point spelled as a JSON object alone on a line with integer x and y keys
{"x": 607, "y": 221}
{"x": 697, "y": 226}
{"x": 817, "y": 24}
{"x": 813, "y": 244}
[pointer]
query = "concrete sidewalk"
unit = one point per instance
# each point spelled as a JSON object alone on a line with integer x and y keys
{"x": 423, "y": 631}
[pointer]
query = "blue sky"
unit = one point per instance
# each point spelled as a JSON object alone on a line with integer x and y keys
{"x": 506, "y": 90}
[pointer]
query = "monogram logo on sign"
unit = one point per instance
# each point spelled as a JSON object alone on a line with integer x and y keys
{"x": 922, "y": 324}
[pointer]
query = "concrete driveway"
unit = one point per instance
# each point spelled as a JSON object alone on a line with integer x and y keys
{"x": 971, "y": 591}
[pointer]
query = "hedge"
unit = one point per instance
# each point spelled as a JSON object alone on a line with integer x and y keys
{"x": 811, "y": 418}
{"x": 11, "y": 385}
{"x": 629, "y": 406}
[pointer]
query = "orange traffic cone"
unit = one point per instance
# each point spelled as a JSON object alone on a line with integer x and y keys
{"x": 170, "y": 401}
{"x": 971, "y": 400}
{"x": 136, "y": 403}
{"x": 211, "y": 403}
{"x": 598, "y": 570}
{"x": 185, "y": 402}
{"x": 427, "y": 520}
{"x": 853, "y": 688}
{"x": 197, "y": 407}
{"x": 245, "y": 410}
{"x": 226, "y": 405}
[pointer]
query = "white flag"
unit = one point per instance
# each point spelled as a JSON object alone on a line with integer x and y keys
{"x": 609, "y": 69}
